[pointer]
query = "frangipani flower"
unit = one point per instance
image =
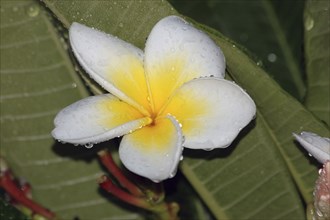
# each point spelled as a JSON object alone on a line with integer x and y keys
{"x": 170, "y": 96}
{"x": 316, "y": 146}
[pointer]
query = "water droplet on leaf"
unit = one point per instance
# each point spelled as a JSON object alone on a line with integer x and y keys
{"x": 272, "y": 57}
{"x": 33, "y": 10}
{"x": 309, "y": 22}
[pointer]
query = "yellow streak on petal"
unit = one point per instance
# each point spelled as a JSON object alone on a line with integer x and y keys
{"x": 189, "y": 110}
{"x": 165, "y": 77}
{"x": 157, "y": 136}
{"x": 128, "y": 76}
{"x": 118, "y": 113}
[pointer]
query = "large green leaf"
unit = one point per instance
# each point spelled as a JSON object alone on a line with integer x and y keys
{"x": 317, "y": 50}
{"x": 269, "y": 145}
{"x": 258, "y": 175}
{"x": 271, "y": 29}
{"x": 37, "y": 80}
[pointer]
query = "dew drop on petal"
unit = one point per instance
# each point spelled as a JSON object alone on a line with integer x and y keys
{"x": 208, "y": 149}
{"x": 89, "y": 145}
{"x": 181, "y": 158}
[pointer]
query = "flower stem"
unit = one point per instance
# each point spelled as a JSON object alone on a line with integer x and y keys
{"x": 162, "y": 210}
{"x": 149, "y": 197}
{"x": 108, "y": 186}
{"x": 8, "y": 184}
{"x": 107, "y": 160}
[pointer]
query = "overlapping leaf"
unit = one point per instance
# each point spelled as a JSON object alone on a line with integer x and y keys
{"x": 252, "y": 179}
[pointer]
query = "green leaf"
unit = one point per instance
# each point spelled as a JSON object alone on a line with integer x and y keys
{"x": 7, "y": 211}
{"x": 256, "y": 177}
{"x": 270, "y": 29}
{"x": 262, "y": 160}
{"x": 37, "y": 80}
{"x": 317, "y": 50}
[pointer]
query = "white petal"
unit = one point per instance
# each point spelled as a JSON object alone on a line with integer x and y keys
{"x": 115, "y": 64}
{"x": 153, "y": 151}
{"x": 96, "y": 119}
{"x": 175, "y": 53}
{"x": 317, "y": 146}
{"x": 212, "y": 112}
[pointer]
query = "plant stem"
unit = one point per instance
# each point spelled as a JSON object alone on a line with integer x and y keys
{"x": 7, "y": 183}
{"x": 108, "y": 186}
{"x": 107, "y": 160}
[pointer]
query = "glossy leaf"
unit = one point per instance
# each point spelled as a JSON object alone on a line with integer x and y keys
{"x": 317, "y": 51}
{"x": 37, "y": 80}
{"x": 253, "y": 177}
{"x": 270, "y": 29}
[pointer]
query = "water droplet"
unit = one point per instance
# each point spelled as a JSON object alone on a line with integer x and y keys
{"x": 172, "y": 174}
{"x": 272, "y": 57}
{"x": 319, "y": 213}
{"x": 62, "y": 142}
{"x": 233, "y": 45}
{"x": 259, "y": 63}
{"x": 181, "y": 158}
{"x": 309, "y": 22}
{"x": 309, "y": 154}
{"x": 33, "y": 10}
{"x": 208, "y": 149}
{"x": 89, "y": 145}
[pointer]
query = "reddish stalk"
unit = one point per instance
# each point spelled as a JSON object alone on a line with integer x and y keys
{"x": 109, "y": 163}
{"x": 7, "y": 183}
{"x": 108, "y": 186}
